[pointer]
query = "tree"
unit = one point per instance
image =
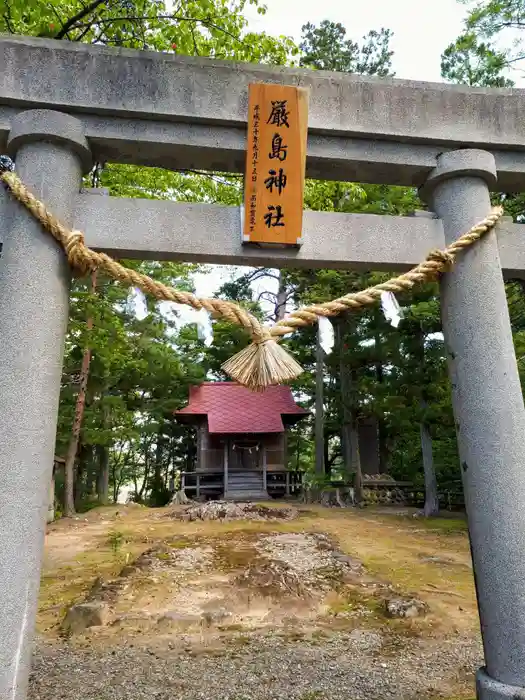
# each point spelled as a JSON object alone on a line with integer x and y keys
{"x": 122, "y": 413}
{"x": 326, "y": 48}
{"x": 469, "y": 61}
{"x": 320, "y": 464}
{"x": 490, "y": 47}
{"x": 69, "y": 467}
{"x": 193, "y": 28}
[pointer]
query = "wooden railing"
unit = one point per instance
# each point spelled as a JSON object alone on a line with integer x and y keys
{"x": 286, "y": 483}
{"x": 278, "y": 483}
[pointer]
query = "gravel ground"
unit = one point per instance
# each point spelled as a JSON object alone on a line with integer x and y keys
{"x": 299, "y": 551}
{"x": 341, "y": 667}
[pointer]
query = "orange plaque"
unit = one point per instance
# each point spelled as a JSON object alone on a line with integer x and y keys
{"x": 275, "y": 164}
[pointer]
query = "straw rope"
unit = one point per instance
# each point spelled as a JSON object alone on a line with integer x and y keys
{"x": 264, "y": 362}
{"x": 436, "y": 262}
{"x": 82, "y": 259}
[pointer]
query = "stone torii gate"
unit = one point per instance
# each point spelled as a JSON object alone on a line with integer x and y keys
{"x": 64, "y": 104}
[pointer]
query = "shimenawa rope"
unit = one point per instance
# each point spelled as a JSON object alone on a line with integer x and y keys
{"x": 264, "y": 362}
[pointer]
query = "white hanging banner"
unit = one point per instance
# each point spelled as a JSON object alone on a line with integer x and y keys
{"x": 326, "y": 334}
{"x": 204, "y": 327}
{"x": 391, "y": 309}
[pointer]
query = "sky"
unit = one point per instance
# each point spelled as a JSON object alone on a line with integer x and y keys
{"x": 422, "y": 29}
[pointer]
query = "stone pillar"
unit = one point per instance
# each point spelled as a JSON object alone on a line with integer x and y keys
{"x": 50, "y": 152}
{"x": 489, "y": 415}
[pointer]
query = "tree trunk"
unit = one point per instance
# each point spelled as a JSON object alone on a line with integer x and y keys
{"x": 431, "y": 489}
{"x": 158, "y": 481}
{"x": 91, "y": 485}
{"x": 69, "y": 469}
{"x": 326, "y": 457}
{"x": 102, "y": 455}
{"x": 280, "y": 306}
{"x": 356, "y": 459}
{"x": 350, "y": 427}
{"x": 384, "y": 453}
{"x": 116, "y": 482}
{"x": 431, "y": 506}
{"x": 346, "y": 428}
{"x": 103, "y": 475}
{"x": 319, "y": 409}
{"x": 381, "y": 423}
{"x": 81, "y": 475}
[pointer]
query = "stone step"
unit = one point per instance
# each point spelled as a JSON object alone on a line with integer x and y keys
{"x": 245, "y": 481}
{"x": 244, "y": 487}
{"x": 252, "y": 495}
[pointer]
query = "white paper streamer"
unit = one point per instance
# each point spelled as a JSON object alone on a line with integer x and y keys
{"x": 326, "y": 334}
{"x": 204, "y": 327}
{"x": 391, "y": 308}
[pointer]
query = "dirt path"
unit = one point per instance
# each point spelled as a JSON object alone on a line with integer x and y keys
{"x": 253, "y": 608}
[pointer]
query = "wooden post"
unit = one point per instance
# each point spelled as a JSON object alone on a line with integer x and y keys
{"x": 225, "y": 466}
{"x": 198, "y": 486}
{"x": 264, "y": 467}
{"x": 287, "y": 476}
{"x": 182, "y": 481}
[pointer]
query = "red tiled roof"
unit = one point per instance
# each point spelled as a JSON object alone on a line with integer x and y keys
{"x": 231, "y": 408}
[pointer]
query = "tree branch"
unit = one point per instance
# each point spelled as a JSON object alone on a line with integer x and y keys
{"x": 8, "y": 18}
{"x": 194, "y": 20}
{"x": 72, "y": 21}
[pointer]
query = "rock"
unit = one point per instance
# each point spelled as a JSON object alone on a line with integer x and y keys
{"x": 180, "y": 498}
{"x": 436, "y": 560}
{"x": 107, "y": 591}
{"x": 226, "y": 510}
{"x": 174, "y": 620}
{"x": 212, "y": 617}
{"x": 402, "y": 607}
{"x": 348, "y": 561}
{"x": 84, "y": 615}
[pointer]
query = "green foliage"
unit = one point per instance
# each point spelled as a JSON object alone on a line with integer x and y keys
{"x": 326, "y": 48}
{"x": 388, "y": 370}
{"x": 115, "y": 540}
{"x": 473, "y": 62}
{"x": 490, "y": 46}
{"x": 142, "y": 365}
{"x": 215, "y": 28}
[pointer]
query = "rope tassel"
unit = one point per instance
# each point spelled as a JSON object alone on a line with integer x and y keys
{"x": 261, "y": 364}
{"x": 264, "y": 362}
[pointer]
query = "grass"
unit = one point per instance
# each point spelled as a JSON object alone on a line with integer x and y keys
{"x": 394, "y": 549}
{"x": 445, "y": 526}
{"x": 351, "y": 600}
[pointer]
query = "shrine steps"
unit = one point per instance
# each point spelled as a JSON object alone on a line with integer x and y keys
{"x": 245, "y": 486}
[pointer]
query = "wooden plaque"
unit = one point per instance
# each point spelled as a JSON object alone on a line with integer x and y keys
{"x": 275, "y": 164}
